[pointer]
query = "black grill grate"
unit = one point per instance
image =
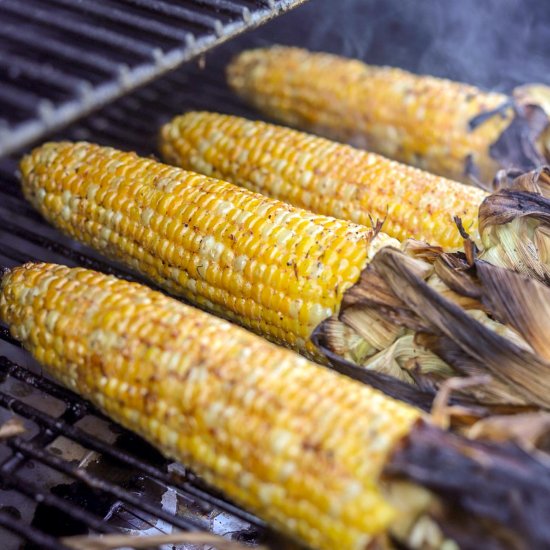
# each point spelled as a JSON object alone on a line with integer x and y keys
{"x": 60, "y": 59}
{"x": 83, "y": 495}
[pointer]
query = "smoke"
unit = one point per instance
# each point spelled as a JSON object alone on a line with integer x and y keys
{"x": 495, "y": 44}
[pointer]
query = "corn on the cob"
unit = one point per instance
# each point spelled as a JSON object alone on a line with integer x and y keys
{"x": 327, "y": 460}
{"x": 276, "y": 269}
{"x": 448, "y": 128}
{"x": 323, "y": 176}
{"x": 300, "y": 445}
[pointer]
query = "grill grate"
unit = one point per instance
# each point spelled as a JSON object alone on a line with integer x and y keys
{"x": 147, "y": 494}
{"x": 60, "y": 59}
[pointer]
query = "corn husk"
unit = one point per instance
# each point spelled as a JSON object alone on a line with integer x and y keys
{"x": 473, "y": 320}
{"x": 514, "y": 225}
{"x": 421, "y": 316}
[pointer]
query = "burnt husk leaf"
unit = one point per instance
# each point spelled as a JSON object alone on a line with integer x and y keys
{"x": 517, "y": 145}
{"x": 386, "y": 384}
{"x": 525, "y": 373}
{"x": 454, "y": 272}
{"x": 507, "y": 205}
{"x": 519, "y": 302}
{"x": 500, "y": 486}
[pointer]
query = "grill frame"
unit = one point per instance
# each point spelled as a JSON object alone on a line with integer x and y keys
{"x": 73, "y": 34}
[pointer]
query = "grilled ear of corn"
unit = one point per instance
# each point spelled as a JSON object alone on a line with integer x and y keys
{"x": 277, "y": 269}
{"x": 344, "y": 182}
{"x": 323, "y": 176}
{"x": 301, "y": 446}
{"x": 448, "y": 128}
{"x": 276, "y": 433}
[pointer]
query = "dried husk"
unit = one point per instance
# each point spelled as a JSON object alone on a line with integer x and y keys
{"x": 421, "y": 316}
{"x": 539, "y": 95}
{"x": 448, "y": 318}
{"x": 493, "y": 495}
{"x": 514, "y": 225}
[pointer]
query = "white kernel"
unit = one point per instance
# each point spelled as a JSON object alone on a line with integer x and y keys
{"x": 316, "y": 269}
{"x": 147, "y": 215}
{"x": 224, "y": 207}
{"x": 66, "y": 196}
{"x": 353, "y": 489}
{"x": 302, "y": 160}
{"x": 348, "y": 192}
{"x": 92, "y": 191}
{"x": 207, "y": 243}
{"x": 263, "y": 208}
{"x": 265, "y": 493}
{"x": 280, "y": 440}
{"x": 279, "y": 164}
{"x": 318, "y": 313}
{"x": 41, "y": 195}
{"x": 283, "y": 236}
{"x": 171, "y": 438}
{"x": 51, "y": 319}
{"x": 212, "y": 414}
{"x": 305, "y": 177}
{"x": 242, "y": 217}
{"x": 267, "y": 229}
{"x": 247, "y": 479}
{"x": 242, "y": 156}
{"x": 294, "y": 308}
{"x": 66, "y": 213}
{"x": 282, "y": 217}
{"x": 287, "y": 469}
{"x": 313, "y": 230}
{"x": 203, "y": 167}
{"x": 240, "y": 263}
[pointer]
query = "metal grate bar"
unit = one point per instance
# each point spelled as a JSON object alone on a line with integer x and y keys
{"x": 58, "y": 20}
{"x": 14, "y": 204}
{"x": 177, "y": 12}
{"x": 63, "y": 50}
{"x": 60, "y": 427}
{"x": 38, "y": 538}
{"x": 102, "y": 485}
{"x": 105, "y": 47}
{"x": 112, "y": 13}
{"x": 35, "y": 493}
{"x": 11, "y": 96}
{"x": 42, "y": 73}
{"x": 6, "y": 336}
{"x": 78, "y": 257}
{"x": 8, "y": 367}
{"x": 224, "y": 6}
{"x": 16, "y": 256}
